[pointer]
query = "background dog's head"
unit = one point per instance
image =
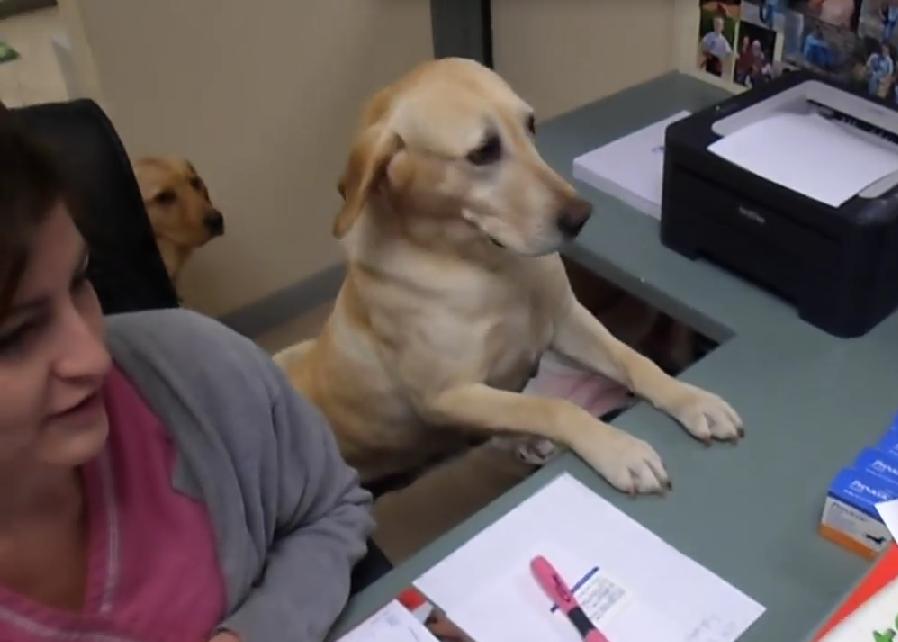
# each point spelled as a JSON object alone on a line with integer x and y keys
{"x": 177, "y": 202}
{"x": 451, "y": 142}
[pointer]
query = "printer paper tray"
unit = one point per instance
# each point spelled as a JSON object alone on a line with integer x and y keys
{"x": 739, "y": 212}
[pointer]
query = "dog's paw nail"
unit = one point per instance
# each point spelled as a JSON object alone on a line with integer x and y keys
{"x": 668, "y": 485}
{"x": 741, "y": 432}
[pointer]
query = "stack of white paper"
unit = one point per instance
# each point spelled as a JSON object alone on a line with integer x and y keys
{"x": 649, "y": 590}
{"x": 630, "y": 168}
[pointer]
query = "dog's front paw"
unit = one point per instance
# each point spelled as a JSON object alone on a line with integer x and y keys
{"x": 706, "y": 416}
{"x": 629, "y": 464}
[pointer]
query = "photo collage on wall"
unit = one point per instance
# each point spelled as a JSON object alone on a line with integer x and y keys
{"x": 752, "y": 41}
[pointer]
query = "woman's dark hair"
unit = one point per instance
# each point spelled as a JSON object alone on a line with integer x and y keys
{"x": 30, "y": 185}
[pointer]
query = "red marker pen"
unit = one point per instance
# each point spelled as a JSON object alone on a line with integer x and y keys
{"x": 553, "y": 585}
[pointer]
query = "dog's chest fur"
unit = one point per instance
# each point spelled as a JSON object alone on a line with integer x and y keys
{"x": 489, "y": 327}
{"x": 513, "y": 342}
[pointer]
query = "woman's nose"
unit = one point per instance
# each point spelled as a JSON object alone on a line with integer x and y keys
{"x": 82, "y": 350}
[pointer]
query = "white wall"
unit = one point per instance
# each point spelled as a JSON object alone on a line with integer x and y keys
{"x": 263, "y": 97}
{"x": 560, "y": 54}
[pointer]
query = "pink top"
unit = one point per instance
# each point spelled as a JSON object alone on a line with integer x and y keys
{"x": 152, "y": 571}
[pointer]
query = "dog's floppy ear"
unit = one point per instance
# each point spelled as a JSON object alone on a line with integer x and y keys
{"x": 365, "y": 172}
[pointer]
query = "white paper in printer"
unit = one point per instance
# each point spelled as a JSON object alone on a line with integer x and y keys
{"x": 820, "y": 158}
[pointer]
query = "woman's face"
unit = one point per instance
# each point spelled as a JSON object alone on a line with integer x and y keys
{"x": 53, "y": 360}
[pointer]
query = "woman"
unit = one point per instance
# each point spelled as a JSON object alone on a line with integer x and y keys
{"x": 159, "y": 480}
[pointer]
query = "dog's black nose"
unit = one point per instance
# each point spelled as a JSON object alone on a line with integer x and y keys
{"x": 573, "y": 217}
{"x": 214, "y": 222}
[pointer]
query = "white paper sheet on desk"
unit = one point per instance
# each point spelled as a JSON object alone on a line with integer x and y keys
{"x": 393, "y": 623}
{"x": 825, "y": 160}
{"x": 487, "y": 589}
{"x": 630, "y": 168}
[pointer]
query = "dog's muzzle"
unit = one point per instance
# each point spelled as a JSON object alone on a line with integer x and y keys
{"x": 573, "y": 217}
{"x": 213, "y": 221}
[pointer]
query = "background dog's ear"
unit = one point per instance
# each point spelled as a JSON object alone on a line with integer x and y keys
{"x": 365, "y": 172}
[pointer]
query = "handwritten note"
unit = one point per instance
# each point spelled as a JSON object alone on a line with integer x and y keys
{"x": 599, "y": 595}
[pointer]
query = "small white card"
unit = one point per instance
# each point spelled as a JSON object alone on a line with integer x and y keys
{"x": 889, "y": 513}
{"x": 393, "y": 623}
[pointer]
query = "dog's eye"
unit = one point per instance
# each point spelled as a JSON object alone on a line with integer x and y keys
{"x": 489, "y": 152}
{"x": 166, "y": 197}
{"x": 197, "y": 183}
{"x": 531, "y": 124}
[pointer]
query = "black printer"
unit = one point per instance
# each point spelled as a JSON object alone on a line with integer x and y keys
{"x": 838, "y": 265}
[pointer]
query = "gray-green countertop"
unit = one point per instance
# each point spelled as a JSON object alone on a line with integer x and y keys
{"x": 810, "y": 402}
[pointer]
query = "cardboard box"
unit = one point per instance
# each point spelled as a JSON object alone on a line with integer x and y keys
{"x": 850, "y": 518}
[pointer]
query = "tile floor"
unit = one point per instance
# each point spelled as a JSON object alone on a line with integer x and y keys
{"x": 35, "y": 77}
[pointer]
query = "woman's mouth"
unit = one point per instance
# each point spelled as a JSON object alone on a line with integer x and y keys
{"x": 85, "y": 410}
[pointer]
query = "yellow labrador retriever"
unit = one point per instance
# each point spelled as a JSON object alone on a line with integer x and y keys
{"x": 454, "y": 290}
{"x": 180, "y": 210}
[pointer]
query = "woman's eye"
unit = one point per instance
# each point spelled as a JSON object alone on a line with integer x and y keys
{"x": 15, "y": 339}
{"x": 79, "y": 279}
{"x": 489, "y": 152}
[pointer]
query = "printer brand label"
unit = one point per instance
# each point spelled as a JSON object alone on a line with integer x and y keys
{"x": 751, "y": 215}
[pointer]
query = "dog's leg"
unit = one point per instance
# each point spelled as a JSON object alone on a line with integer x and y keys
{"x": 626, "y": 462}
{"x": 706, "y": 416}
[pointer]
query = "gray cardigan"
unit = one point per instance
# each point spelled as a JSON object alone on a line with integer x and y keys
{"x": 288, "y": 514}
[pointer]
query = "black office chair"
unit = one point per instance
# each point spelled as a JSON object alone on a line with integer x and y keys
{"x": 125, "y": 268}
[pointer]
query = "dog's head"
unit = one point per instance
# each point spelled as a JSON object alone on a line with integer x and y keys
{"x": 177, "y": 202}
{"x": 451, "y": 141}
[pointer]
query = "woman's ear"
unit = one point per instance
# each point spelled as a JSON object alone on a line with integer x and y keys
{"x": 365, "y": 172}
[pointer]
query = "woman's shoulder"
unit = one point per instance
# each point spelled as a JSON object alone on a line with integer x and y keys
{"x": 194, "y": 346}
{"x": 178, "y": 328}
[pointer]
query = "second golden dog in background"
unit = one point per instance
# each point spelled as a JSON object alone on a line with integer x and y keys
{"x": 180, "y": 210}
